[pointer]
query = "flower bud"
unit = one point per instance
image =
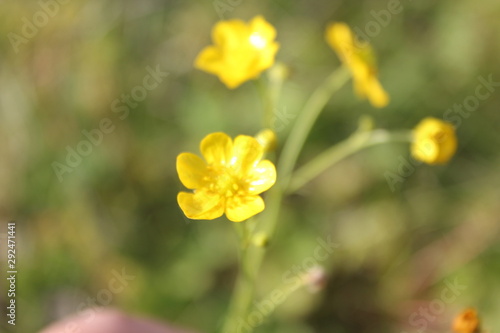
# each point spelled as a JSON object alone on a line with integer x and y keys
{"x": 267, "y": 138}
{"x": 466, "y": 322}
{"x": 261, "y": 239}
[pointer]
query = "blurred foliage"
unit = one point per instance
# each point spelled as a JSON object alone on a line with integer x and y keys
{"x": 117, "y": 209}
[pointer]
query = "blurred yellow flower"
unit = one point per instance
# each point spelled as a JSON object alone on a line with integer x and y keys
{"x": 360, "y": 59}
{"x": 241, "y": 51}
{"x": 466, "y": 322}
{"x": 228, "y": 181}
{"x": 434, "y": 141}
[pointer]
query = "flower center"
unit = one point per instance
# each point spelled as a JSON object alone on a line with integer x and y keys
{"x": 223, "y": 181}
{"x": 257, "y": 40}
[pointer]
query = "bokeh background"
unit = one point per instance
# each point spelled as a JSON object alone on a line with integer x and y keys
{"x": 116, "y": 209}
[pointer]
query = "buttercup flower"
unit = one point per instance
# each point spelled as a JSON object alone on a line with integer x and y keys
{"x": 434, "y": 141}
{"x": 360, "y": 59}
{"x": 466, "y": 322}
{"x": 240, "y": 52}
{"x": 228, "y": 181}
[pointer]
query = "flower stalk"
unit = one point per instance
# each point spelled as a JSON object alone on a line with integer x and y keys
{"x": 253, "y": 256}
{"x": 230, "y": 177}
{"x": 355, "y": 143}
{"x": 305, "y": 121}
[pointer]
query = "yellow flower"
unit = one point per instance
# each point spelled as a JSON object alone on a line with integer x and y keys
{"x": 228, "y": 181}
{"x": 434, "y": 141}
{"x": 466, "y": 322}
{"x": 360, "y": 59}
{"x": 241, "y": 51}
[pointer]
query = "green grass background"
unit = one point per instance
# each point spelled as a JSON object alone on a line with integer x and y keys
{"x": 118, "y": 208}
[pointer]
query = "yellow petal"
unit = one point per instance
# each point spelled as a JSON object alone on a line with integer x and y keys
{"x": 266, "y": 58}
{"x": 376, "y": 94}
{"x": 201, "y": 205}
{"x": 235, "y": 77}
{"x": 262, "y": 28}
{"x": 426, "y": 151}
{"x": 340, "y": 38}
{"x": 229, "y": 34}
{"x": 262, "y": 38}
{"x": 191, "y": 170}
{"x": 367, "y": 85}
{"x": 242, "y": 208}
{"x": 217, "y": 148}
{"x": 448, "y": 149}
{"x": 361, "y": 77}
{"x": 261, "y": 178}
{"x": 209, "y": 60}
{"x": 247, "y": 152}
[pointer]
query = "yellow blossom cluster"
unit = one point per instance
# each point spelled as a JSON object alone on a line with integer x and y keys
{"x": 232, "y": 173}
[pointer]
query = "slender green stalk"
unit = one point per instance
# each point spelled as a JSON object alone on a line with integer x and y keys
{"x": 241, "y": 298}
{"x": 353, "y": 144}
{"x": 306, "y": 120}
{"x": 251, "y": 260}
{"x": 243, "y": 292}
{"x": 273, "y": 93}
{"x": 253, "y": 256}
{"x": 267, "y": 102}
{"x": 269, "y": 91}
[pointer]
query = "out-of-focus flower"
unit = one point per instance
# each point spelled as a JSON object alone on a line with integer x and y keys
{"x": 360, "y": 59}
{"x": 240, "y": 52}
{"x": 467, "y": 322}
{"x": 434, "y": 141}
{"x": 228, "y": 181}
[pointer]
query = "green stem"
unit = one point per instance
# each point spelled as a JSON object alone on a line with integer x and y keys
{"x": 353, "y": 144}
{"x": 253, "y": 256}
{"x": 242, "y": 294}
{"x": 273, "y": 94}
{"x": 267, "y": 102}
{"x": 269, "y": 90}
{"x": 251, "y": 260}
{"x": 306, "y": 120}
{"x": 241, "y": 299}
